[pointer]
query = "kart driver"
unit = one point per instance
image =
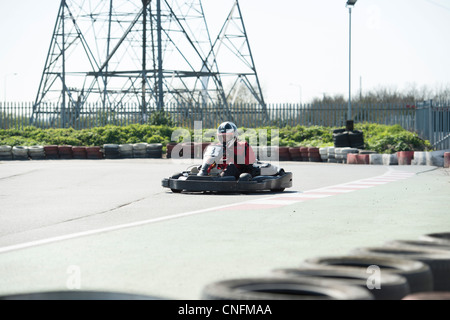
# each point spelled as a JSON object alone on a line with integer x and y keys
{"x": 238, "y": 156}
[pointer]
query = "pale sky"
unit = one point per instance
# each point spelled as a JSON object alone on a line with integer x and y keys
{"x": 300, "y": 47}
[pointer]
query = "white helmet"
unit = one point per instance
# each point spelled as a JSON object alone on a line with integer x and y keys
{"x": 227, "y": 133}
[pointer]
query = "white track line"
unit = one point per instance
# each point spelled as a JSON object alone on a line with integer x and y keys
{"x": 284, "y": 199}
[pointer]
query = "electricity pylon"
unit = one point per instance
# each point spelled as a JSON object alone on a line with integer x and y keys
{"x": 151, "y": 53}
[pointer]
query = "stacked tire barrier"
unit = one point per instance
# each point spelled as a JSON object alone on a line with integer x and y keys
{"x": 438, "y": 261}
{"x": 283, "y": 288}
{"x": 397, "y": 270}
{"x": 169, "y": 149}
{"x": 331, "y": 155}
{"x": 395, "y": 286}
{"x": 348, "y": 139}
{"x": 125, "y": 151}
{"x": 111, "y": 151}
{"x": 36, "y": 153}
{"x": 134, "y": 151}
{"x": 357, "y": 156}
{"x": 20, "y": 153}
{"x": 283, "y": 154}
{"x": 51, "y": 152}
{"x": 405, "y": 157}
{"x": 383, "y": 159}
{"x": 154, "y": 151}
{"x": 344, "y": 155}
{"x": 94, "y": 153}
{"x": 65, "y": 152}
{"x": 108, "y": 151}
{"x": 341, "y": 154}
{"x": 295, "y": 154}
{"x": 442, "y": 238}
{"x": 314, "y": 155}
{"x": 433, "y": 158}
{"x": 356, "y": 139}
{"x": 6, "y": 153}
{"x": 323, "y": 153}
{"x": 79, "y": 153}
{"x": 340, "y": 138}
{"x": 354, "y": 158}
{"x": 304, "y": 153}
{"x": 139, "y": 150}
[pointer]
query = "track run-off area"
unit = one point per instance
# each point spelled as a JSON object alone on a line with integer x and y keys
{"x": 114, "y": 224}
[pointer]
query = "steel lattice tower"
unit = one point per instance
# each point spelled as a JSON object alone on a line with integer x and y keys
{"x": 104, "y": 54}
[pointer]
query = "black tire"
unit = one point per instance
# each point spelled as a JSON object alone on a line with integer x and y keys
{"x": 356, "y": 139}
{"x": 78, "y": 295}
{"x": 154, "y": 154}
{"x": 441, "y": 237}
{"x": 278, "y": 190}
{"x": 111, "y": 151}
{"x": 154, "y": 150}
{"x": 176, "y": 190}
{"x": 428, "y": 296}
{"x": 279, "y": 288}
{"x": 418, "y": 274}
{"x": 418, "y": 244}
{"x": 391, "y": 286}
{"x": 437, "y": 260}
{"x": 341, "y": 140}
{"x": 154, "y": 146}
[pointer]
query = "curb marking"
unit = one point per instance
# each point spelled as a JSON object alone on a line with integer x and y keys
{"x": 288, "y": 199}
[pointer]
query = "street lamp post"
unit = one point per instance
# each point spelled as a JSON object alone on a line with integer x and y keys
{"x": 349, "y": 125}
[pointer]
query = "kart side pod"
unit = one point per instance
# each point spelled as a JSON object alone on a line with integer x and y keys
{"x": 188, "y": 182}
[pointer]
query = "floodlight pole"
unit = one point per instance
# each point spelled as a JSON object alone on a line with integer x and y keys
{"x": 349, "y": 123}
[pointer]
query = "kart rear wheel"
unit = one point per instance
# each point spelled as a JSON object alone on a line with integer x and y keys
{"x": 278, "y": 190}
{"x": 176, "y": 190}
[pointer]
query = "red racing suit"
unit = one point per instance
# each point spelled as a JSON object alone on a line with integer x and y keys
{"x": 241, "y": 157}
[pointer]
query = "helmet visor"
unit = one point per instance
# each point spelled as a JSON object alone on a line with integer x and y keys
{"x": 227, "y": 138}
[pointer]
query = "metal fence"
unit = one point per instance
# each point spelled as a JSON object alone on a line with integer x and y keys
{"x": 433, "y": 122}
{"x": 20, "y": 115}
{"x": 430, "y": 119}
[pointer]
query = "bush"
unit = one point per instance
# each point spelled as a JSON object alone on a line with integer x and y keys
{"x": 380, "y": 138}
{"x": 391, "y": 139}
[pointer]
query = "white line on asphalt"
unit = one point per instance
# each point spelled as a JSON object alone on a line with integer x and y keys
{"x": 186, "y": 214}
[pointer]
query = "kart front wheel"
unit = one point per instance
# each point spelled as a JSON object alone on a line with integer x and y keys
{"x": 176, "y": 190}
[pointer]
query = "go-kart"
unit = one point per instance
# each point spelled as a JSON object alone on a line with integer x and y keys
{"x": 263, "y": 177}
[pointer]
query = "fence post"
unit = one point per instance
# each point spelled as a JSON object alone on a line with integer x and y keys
{"x": 430, "y": 122}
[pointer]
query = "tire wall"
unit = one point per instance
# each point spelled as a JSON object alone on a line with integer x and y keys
{"x": 417, "y": 269}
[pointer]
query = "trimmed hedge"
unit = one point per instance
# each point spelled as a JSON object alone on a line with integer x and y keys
{"x": 379, "y": 138}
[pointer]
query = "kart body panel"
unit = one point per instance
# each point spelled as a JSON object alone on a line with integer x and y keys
{"x": 194, "y": 183}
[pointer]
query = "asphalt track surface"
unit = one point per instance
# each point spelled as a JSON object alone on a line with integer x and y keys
{"x": 112, "y": 222}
